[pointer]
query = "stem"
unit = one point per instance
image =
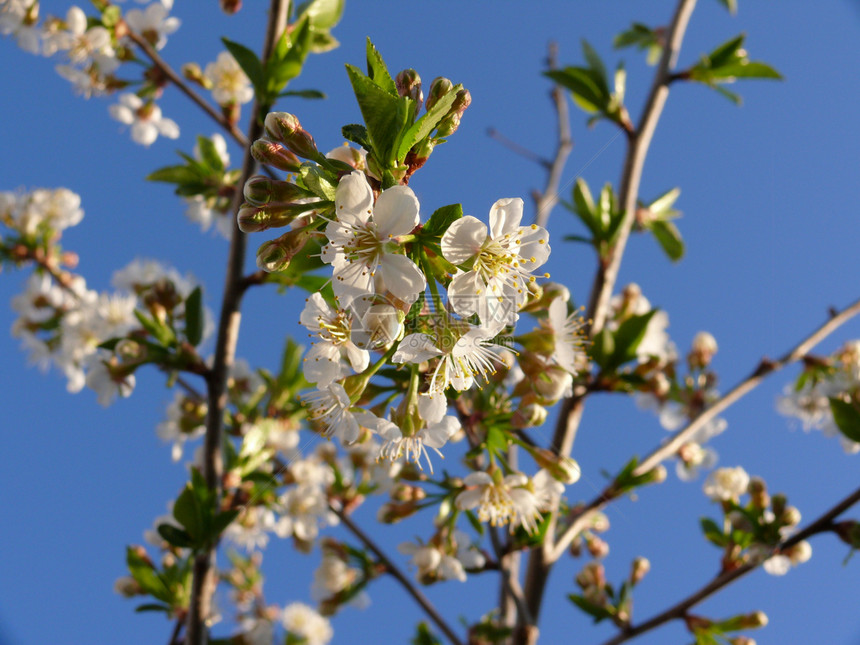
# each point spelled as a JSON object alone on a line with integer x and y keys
{"x": 392, "y": 569}
{"x": 204, "y": 581}
{"x": 664, "y": 451}
{"x": 546, "y": 201}
{"x": 820, "y": 525}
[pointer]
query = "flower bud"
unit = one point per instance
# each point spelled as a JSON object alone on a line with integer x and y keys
{"x": 639, "y": 569}
{"x": 193, "y": 73}
{"x": 253, "y": 219}
{"x": 461, "y": 102}
{"x": 754, "y": 620}
{"x": 127, "y": 587}
{"x": 742, "y": 640}
{"x": 799, "y": 553}
{"x": 260, "y": 190}
{"x": 703, "y": 350}
{"x": 849, "y": 532}
{"x": 790, "y": 516}
{"x": 448, "y": 125}
{"x": 390, "y": 513}
{"x": 529, "y": 415}
{"x": 553, "y": 383}
{"x": 275, "y": 154}
{"x": 231, "y": 7}
{"x": 438, "y": 88}
{"x": 563, "y": 469}
{"x": 597, "y": 547}
{"x": 285, "y": 127}
{"x": 758, "y": 492}
{"x": 593, "y": 575}
{"x": 778, "y": 504}
{"x": 408, "y": 84}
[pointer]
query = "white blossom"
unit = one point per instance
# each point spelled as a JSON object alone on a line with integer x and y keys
{"x": 501, "y": 261}
{"x": 230, "y": 85}
{"x": 333, "y": 330}
{"x": 726, "y": 484}
{"x": 153, "y": 23}
{"x": 144, "y": 118}
{"x": 363, "y": 240}
{"x": 507, "y": 501}
{"x": 303, "y": 621}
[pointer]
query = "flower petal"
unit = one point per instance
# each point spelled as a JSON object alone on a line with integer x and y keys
{"x": 401, "y": 276}
{"x": 396, "y": 211}
{"x": 463, "y": 239}
{"x": 415, "y": 348}
{"x": 505, "y": 216}
{"x": 354, "y": 196}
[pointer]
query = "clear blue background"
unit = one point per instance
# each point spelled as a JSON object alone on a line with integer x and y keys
{"x": 770, "y": 197}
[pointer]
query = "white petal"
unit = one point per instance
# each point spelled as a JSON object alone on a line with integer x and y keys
{"x": 76, "y": 21}
{"x": 432, "y": 407}
{"x": 463, "y": 239}
{"x": 144, "y": 133}
{"x": 396, "y": 211}
{"x": 354, "y": 196}
{"x": 401, "y": 276}
{"x": 358, "y": 358}
{"x": 315, "y": 308}
{"x": 322, "y": 364}
{"x": 121, "y": 113}
{"x": 464, "y": 292}
{"x": 350, "y": 279}
{"x": 168, "y": 128}
{"x": 505, "y": 216}
{"x": 415, "y": 348}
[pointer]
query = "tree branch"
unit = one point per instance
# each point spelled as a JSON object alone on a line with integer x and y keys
{"x": 546, "y": 201}
{"x": 203, "y": 582}
{"x": 820, "y": 525}
{"x": 392, "y": 568}
{"x": 638, "y": 143}
{"x": 669, "y": 448}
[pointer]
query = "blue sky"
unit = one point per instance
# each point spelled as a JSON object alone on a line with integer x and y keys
{"x": 769, "y": 196}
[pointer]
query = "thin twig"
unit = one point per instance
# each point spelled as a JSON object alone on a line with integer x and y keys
{"x": 666, "y": 450}
{"x": 392, "y": 569}
{"x": 820, "y": 525}
{"x": 203, "y": 582}
{"x": 638, "y": 142}
{"x": 546, "y": 201}
{"x": 517, "y": 149}
{"x": 177, "y": 80}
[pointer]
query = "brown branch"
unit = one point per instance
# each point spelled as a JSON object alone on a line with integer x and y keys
{"x": 204, "y": 582}
{"x": 398, "y": 575}
{"x": 669, "y": 448}
{"x": 177, "y": 80}
{"x": 546, "y": 201}
{"x": 638, "y": 142}
{"x": 820, "y": 525}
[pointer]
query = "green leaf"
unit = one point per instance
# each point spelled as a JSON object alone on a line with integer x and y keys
{"x": 750, "y": 69}
{"x": 731, "y": 5}
{"x": 733, "y": 97}
{"x": 174, "y": 175}
{"x": 222, "y": 521}
{"x": 385, "y": 115}
{"x": 423, "y": 635}
{"x": 585, "y": 89}
{"x": 209, "y": 154}
{"x": 596, "y": 612}
{"x": 442, "y": 218}
{"x": 175, "y": 536}
{"x": 147, "y": 577}
{"x": 194, "y": 317}
{"x": 287, "y": 62}
{"x": 357, "y": 134}
{"x": 377, "y": 70}
{"x": 190, "y": 514}
{"x": 630, "y": 333}
{"x": 847, "y": 418}
{"x": 422, "y": 128}
{"x": 318, "y": 181}
{"x": 162, "y": 333}
{"x": 595, "y": 64}
{"x": 304, "y": 94}
{"x": 669, "y": 237}
{"x": 602, "y": 348}
{"x": 248, "y": 61}
{"x": 712, "y": 532}
{"x": 151, "y": 606}
{"x": 664, "y": 202}
{"x": 475, "y": 522}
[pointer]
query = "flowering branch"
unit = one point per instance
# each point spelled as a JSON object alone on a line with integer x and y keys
{"x": 203, "y": 584}
{"x": 169, "y": 73}
{"x": 821, "y": 525}
{"x": 638, "y": 142}
{"x": 669, "y": 448}
{"x": 392, "y": 568}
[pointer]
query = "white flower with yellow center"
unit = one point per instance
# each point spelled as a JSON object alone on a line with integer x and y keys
{"x": 333, "y": 327}
{"x": 230, "y": 85}
{"x": 500, "y": 261}
{"x": 434, "y": 435}
{"x": 500, "y": 501}
{"x": 363, "y": 240}
{"x": 725, "y": 484}
{"x": 464, "y": 351}
{"x": 330, "y": 406}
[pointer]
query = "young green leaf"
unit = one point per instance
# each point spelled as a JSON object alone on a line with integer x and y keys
{"x": 669, "y": 238}
{"x": 385, "y": 115}
{"x": 847, "y": 418}
{"x": 377, "y": 71}
{"x": 249, "y": 63}
{"x": 194, "y": 317}
{"x": 442, "y": 218}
